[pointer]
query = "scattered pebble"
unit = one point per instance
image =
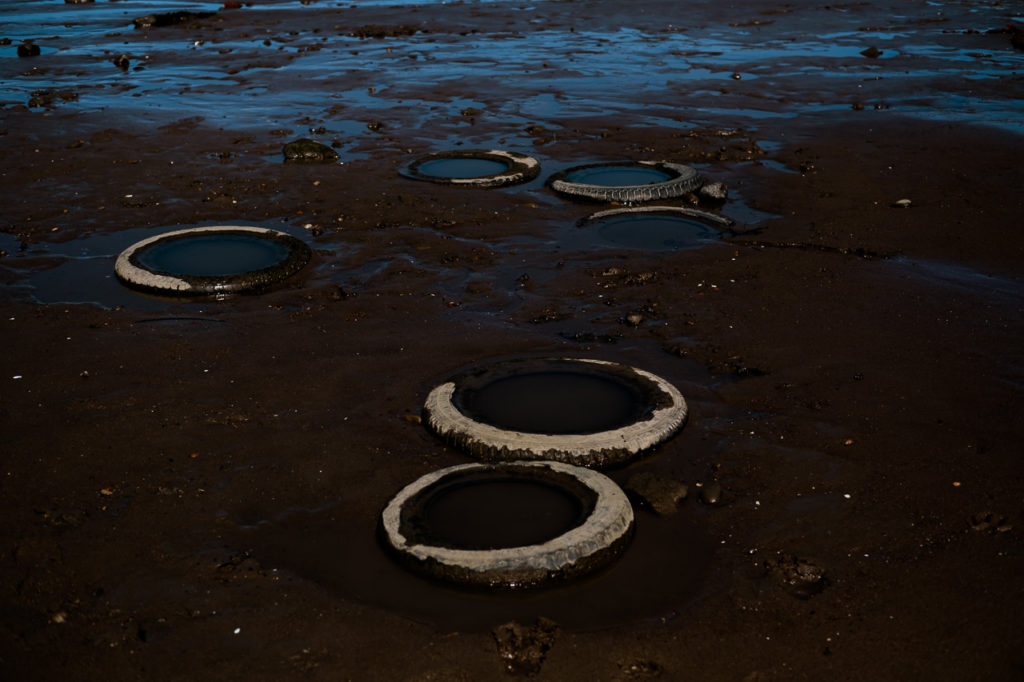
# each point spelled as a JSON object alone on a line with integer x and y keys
{"x": 990, "y": 521}
{"x": 800, "y": 577}
{"x": 524, "y": 647}
{"x": 714, "y": 191}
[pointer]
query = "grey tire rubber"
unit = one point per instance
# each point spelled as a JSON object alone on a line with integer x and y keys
{"x": 597, "y": 450}
{"x": 132, "y": 273}
{"x": 707, "y": 216}
{"x": 685, "y": 180}
{"x": 601, "y": 537}
{"x": 521, "y": 168}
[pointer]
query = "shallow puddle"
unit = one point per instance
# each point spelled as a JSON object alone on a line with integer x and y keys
{"x": 554, "y": 402}
{"x": 212, "y": 255}
{"x": 461, "y": 168}
{"x": 658, "y": 575}
{"x": 499, "y": 512}
{"x": 260, "y": 66}
{"x": 652, "y": 231}
{"x": 617, "y": 176}
{"x": 81, "y": 270}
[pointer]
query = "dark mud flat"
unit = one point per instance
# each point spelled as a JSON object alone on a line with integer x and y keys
{"x": 190, "y": 489}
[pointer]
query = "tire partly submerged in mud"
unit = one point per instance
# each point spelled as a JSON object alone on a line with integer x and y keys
{"x": 628, "y": 181}
{"x": 586, "y": 412}
{"x": 474, "y": 168}
{"x": 215, "y": 260}
{"x": 490, "y": 525}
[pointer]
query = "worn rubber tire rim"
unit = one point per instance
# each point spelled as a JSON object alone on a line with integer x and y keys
{"x": 598, "y": 450}
{"x": 520, "y": 168}
{"x": 132, "y": 273}
{"x": 683, "y": 181}
{"x": 706, "y": 216}
{"x": 599, "y": 539}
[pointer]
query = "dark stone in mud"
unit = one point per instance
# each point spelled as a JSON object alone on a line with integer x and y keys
{"x": 872, "y": 52}
{"x": 800, "y": 577}
{"x": 378, "y": 31}
{"x": 121, "y": 61}
{"x": 48, "y": 98}
{"x": 523, "y": 648}
{"x": 990, "y": 521}
{"x": 661, "y": 493}
{"x": 78, "y": 2}
{"x": 28, "y": 49}
{"x": 309, "y": 151}
{"x": 715, "y": 192}
{"x": 169, "y": 19}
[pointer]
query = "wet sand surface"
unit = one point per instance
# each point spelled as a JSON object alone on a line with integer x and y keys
{"x": 191, "y": 488}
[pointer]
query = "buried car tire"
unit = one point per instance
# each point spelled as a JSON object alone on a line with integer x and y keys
{"x": 661, "y": 415}
{"x": 599, "y": 538}
{"x": 289, "y": 254}
{"x": 518, "y": 168}
{"x": 681, "y": 180}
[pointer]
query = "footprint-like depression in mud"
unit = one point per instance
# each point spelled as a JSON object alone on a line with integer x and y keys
{"x": 211, "y": 260}
{"x": 508, "y": 525}
{"x": 582, "y": 411}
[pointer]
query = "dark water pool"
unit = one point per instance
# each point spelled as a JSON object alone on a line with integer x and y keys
{"x": 461, "y": 168}
{"x": 499, "y": 512}
{"x": 212, "y": 255}
{"x": 554, "y": 402}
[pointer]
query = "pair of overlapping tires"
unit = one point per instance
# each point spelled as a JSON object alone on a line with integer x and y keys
{"x": 565, "y": 462}
{"x": 626, "y": 182}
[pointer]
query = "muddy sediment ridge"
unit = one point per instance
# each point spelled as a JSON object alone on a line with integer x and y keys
{"x": 192, "y": 486}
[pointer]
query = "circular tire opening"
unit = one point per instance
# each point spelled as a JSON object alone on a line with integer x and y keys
{"x": 474, "y": 168}
{"x": 655, "y": 228}
{"x": 627, "y": 181}
{"x": 508, "y": 525}
{"x": 211, "y": 260}
{"x": 585, "y": 412}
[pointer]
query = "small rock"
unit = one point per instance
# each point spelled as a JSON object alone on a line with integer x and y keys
{"x": 122, "y": 62}
{"x": 872, "y": 52}
{"x": 309, "y": 151}
{"x": 523, "y": 648}
{"x": 634, "y": 319}
{"x": 711, "y": 493}
{"x": 987, "y": 520}
{"x": 169, "y": 19}
{"x": 714, "y": 191}
{"x": 28, "y": 49}
{"x": 799, "y": 577}
{"x": 902, "y": 203}
{"x": 663, "y": 494}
